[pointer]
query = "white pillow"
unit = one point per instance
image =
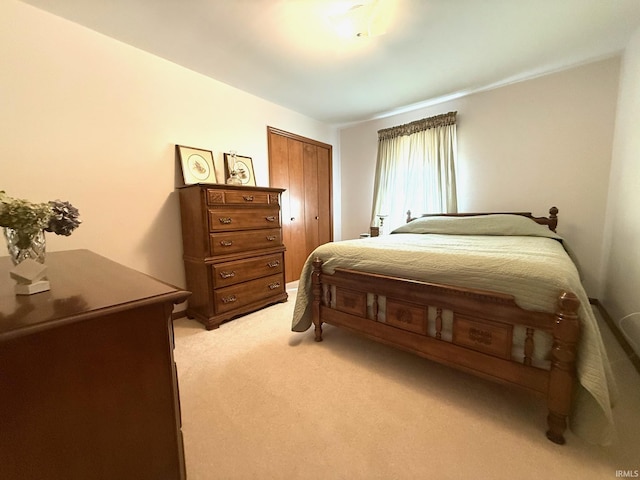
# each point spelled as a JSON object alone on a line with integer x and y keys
{"x": 494, "y": 224}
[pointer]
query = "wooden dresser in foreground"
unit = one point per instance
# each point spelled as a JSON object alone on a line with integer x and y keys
{"x": 233, "y": 250}
{"x": 88, "y": 383}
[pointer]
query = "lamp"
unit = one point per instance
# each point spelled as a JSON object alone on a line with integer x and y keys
{"x": 381, "y": 218}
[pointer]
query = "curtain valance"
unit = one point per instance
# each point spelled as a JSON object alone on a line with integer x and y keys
{"x": 418, "y": 126}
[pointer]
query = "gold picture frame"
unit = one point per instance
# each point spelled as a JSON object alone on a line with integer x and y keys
{"x": 197, "y": 165}
{"x": 242, "y": 166}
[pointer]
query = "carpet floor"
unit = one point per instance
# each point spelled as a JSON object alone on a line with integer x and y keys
{"x": 261, "y": 402}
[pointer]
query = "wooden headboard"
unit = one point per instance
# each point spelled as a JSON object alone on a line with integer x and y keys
{"x": 551, "y": 221}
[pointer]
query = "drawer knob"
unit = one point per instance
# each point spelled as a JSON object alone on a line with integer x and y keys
{"x": 274, "y": 285}
{"x": 273, "y": 264}
{"x": 225, "y": 220}
{"x": 229, "y": 299}
{"x": 271, "y": 238}
{"x": 270, "y": 218}
{"x": 248, "y": 198}
{"x": 226, "y": 243}
{"x": 227, "y": 274}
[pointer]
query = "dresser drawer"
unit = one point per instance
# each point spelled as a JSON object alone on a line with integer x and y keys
{"x": 237, "y": 197}
{"x": 230, "y": 273}
{"x": 233, "y": 242}
{"x": 224, "y": 219}
{"x": 230, "y": 298}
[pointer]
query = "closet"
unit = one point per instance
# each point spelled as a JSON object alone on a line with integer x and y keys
{"x": 302, "y": 167}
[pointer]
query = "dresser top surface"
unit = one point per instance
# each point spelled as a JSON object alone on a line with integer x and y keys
{"x": 83, "y": 285}
{"x": 223, "y": 186}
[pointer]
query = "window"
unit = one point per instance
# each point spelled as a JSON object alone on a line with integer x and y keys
{"x": 415, "y": 170}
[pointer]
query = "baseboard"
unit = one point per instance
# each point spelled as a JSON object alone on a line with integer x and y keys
{"x": 622, "y": 340}
{"x": 179, "y": 314}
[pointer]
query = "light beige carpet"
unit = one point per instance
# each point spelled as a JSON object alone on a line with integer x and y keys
{"x": 261, "y": 402}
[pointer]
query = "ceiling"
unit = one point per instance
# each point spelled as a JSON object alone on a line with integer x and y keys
{"x": 287, "y": 52}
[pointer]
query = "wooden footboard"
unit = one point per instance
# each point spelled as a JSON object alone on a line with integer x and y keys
{"x": 396, "y": 311}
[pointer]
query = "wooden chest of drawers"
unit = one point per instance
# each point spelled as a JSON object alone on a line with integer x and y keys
{"x": 233, "y": 250}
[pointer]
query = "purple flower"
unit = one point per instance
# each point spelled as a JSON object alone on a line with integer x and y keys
{"x": 65, "y": 218}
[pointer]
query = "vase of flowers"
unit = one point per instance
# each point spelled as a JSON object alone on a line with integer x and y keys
{"x": 25, "y": 224}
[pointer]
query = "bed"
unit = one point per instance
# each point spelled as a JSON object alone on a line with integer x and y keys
{"x": 496, "y": 295}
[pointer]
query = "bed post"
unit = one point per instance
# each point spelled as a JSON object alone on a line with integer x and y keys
{"x": 317, "y": 297}
{"x": 563, "y": 366}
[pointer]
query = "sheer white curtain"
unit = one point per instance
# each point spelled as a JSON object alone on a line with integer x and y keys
{"x": 415, "y": 170}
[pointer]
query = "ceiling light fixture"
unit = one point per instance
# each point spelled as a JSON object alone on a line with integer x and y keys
{"x": 359, "y": 20}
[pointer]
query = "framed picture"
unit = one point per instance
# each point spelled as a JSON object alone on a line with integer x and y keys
{"x": 197, "y": 165}
{"x": 242, "y": 166}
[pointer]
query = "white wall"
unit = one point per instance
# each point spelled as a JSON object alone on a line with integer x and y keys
{"x": 88, "y": 119}
{"x": 526, "y": 146}
{"x": 622, "y": 256}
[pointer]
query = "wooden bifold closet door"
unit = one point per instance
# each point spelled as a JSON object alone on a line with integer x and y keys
{"x": 303, "y": 168}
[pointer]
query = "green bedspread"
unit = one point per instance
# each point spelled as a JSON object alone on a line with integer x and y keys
{"x": 502, "y": 253}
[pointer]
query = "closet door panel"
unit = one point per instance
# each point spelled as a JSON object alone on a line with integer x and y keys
{"x": 311, "y": 196}
{"x": 279, "y": 175}
{"x": 325, "y": 224}
{"x": 296, "y": 250}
